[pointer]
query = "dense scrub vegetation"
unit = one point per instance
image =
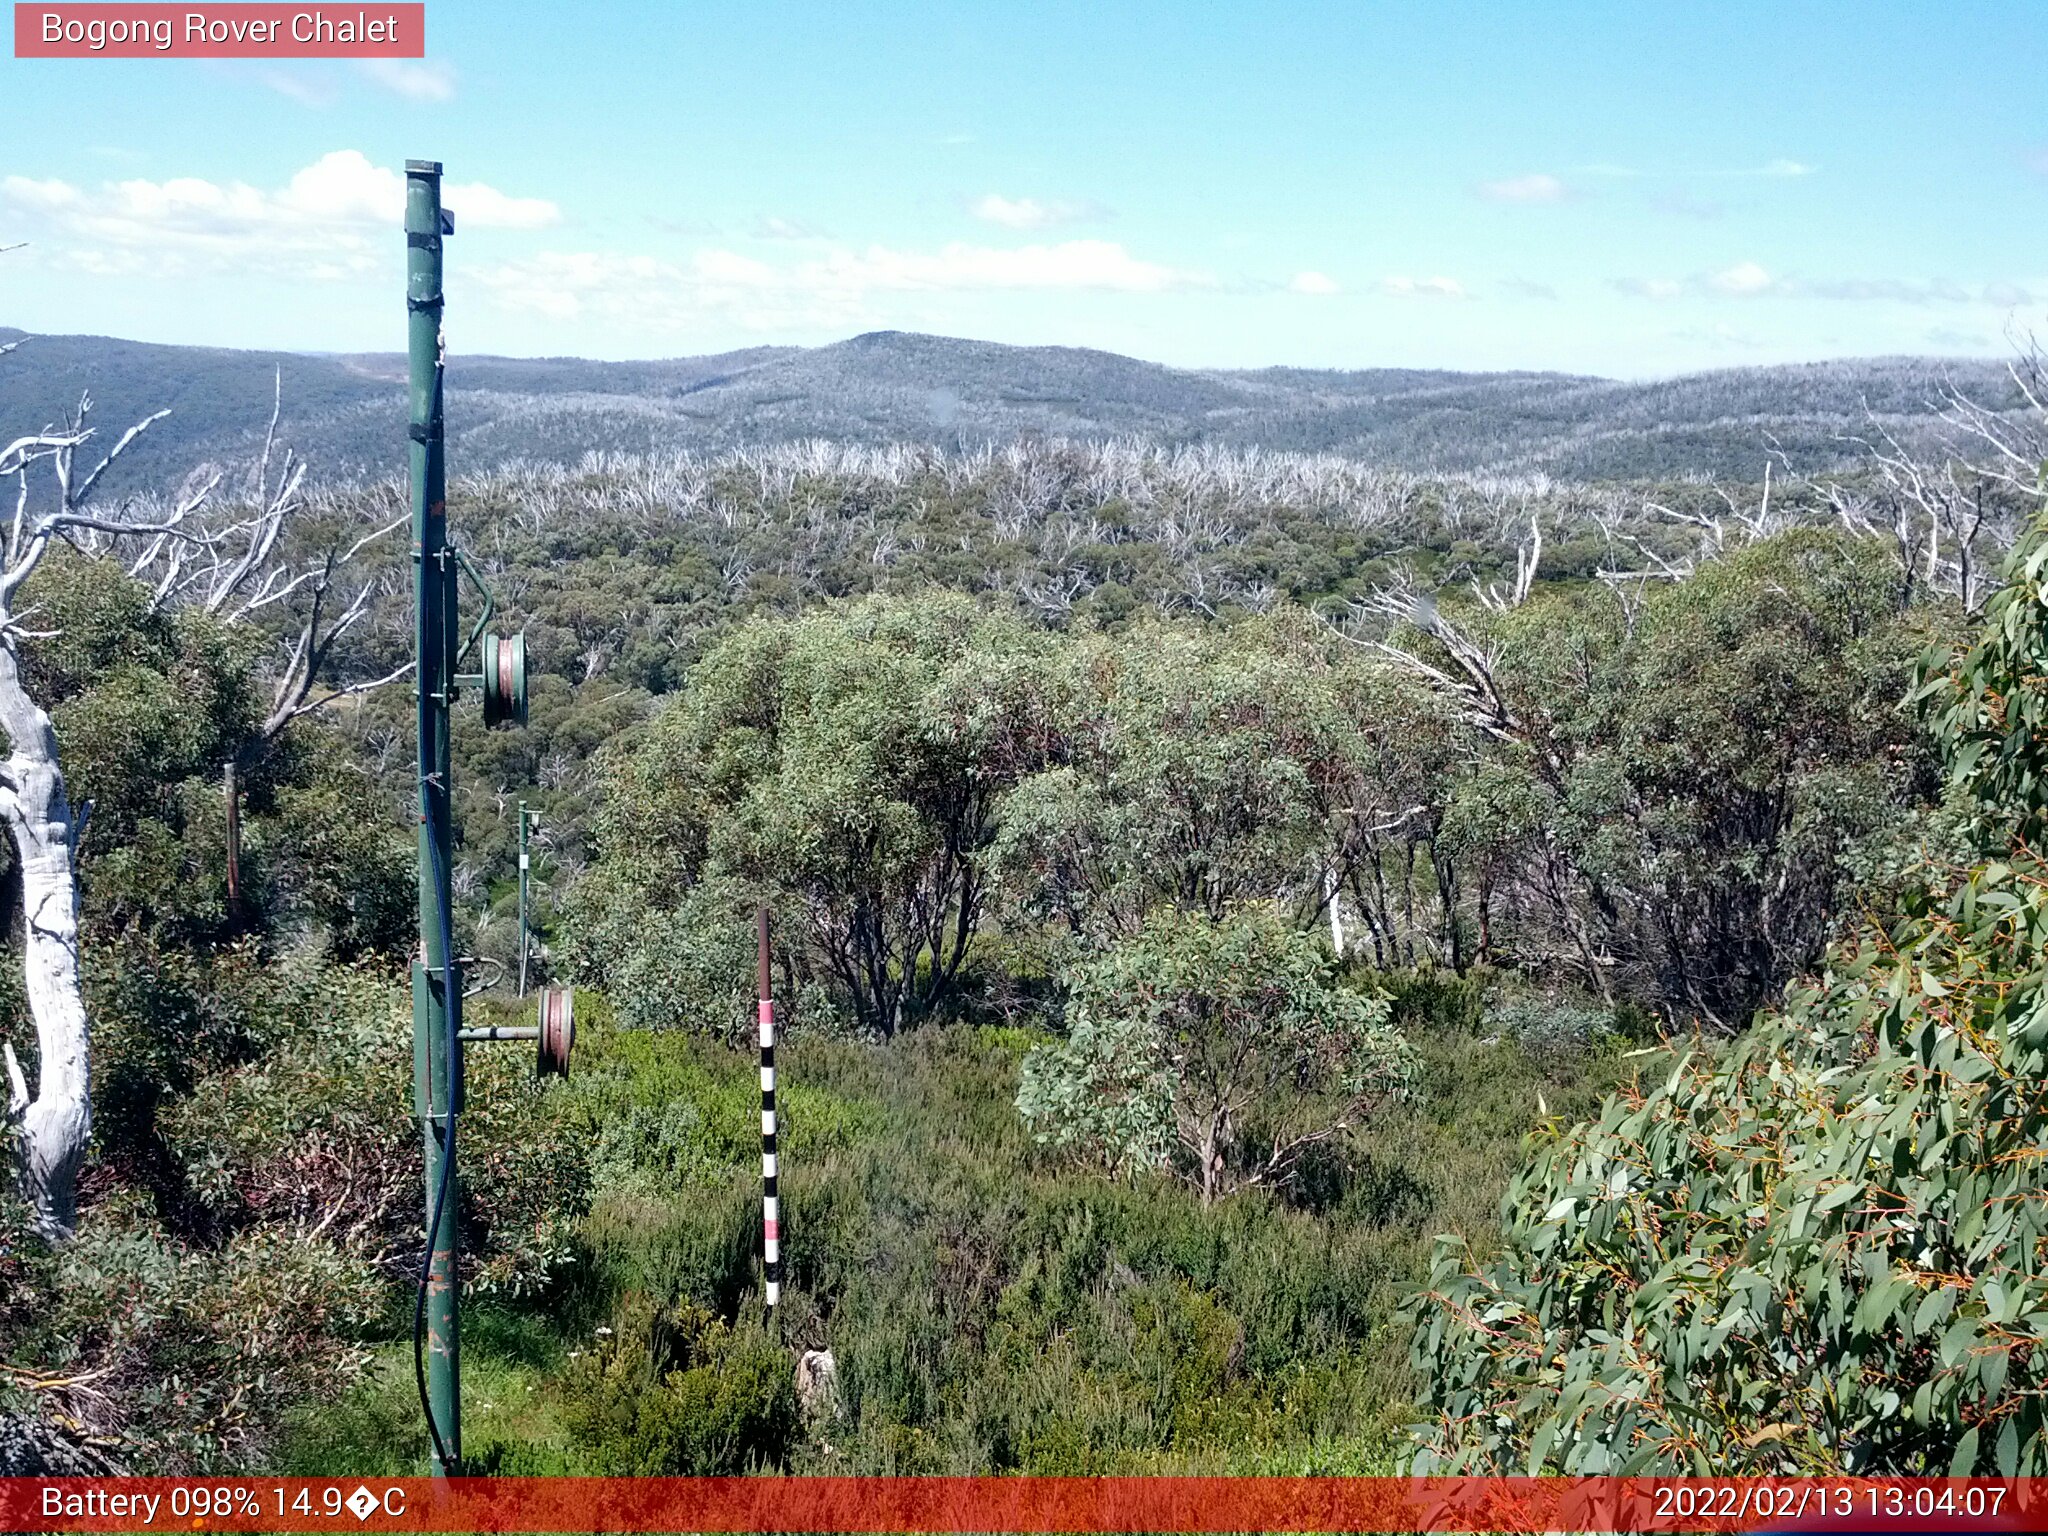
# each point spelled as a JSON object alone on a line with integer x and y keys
{"x": 992, "y": 1305}
{"x": 1195, "y": 874}
{"x": 253, "y": 1183}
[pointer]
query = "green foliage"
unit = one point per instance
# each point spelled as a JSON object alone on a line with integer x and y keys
{"x": 946, "y": 803}
{"x": 1989, "y": 705}
{"x": 149, "y": 708}
{"x": 1672, "y": 817}
{"x": 844, "y": 767}
{"x": 677, "y": 1392}
{"x": 1691, "y": 789}
{"x": 1206, "y": 766}
{"x": 1104, "y": 1092}
{"x": 251, "y": 1249}
{"x": 1553, "y": 1026}
{"x": 187, "y": 1352}
{"x": 253, "y": 1186}
{"x": 1824, "y": 1249}
{"x": 1217, "y": 1047}
{"x": 990, "y": 1311}
{"x": 676, "y": 960}
{"x": 351, "y": 876}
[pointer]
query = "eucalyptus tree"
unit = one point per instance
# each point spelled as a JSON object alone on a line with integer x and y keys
{"x": 1670, "y": 798}
{"x": 1819, "y": 1250}
{"x": 847, "y": 767}
{"x": 268, "y": 555}
{"x": 1216, "y": 1048}
{"x": 1206, "y": 766}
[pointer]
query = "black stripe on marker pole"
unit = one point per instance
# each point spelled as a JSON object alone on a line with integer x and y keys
{"x": 771, "y": 1226}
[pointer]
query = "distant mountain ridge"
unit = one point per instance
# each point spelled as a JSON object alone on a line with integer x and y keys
{"x": 346, "y": 412}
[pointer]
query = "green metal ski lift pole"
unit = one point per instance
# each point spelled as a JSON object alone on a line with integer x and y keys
{"x": 436, "y": 981}
{"x": 438, "y": 1035}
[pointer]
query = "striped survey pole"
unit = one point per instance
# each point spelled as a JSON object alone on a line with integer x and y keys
{"x": 771, "y": 1226}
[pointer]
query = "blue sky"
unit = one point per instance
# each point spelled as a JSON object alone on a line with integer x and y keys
{"x": 1632, "y": 189}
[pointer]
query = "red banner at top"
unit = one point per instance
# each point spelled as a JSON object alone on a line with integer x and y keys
{"x": 113, "y": 31}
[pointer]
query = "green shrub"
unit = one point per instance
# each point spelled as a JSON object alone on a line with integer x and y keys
{"x": 676, "y": 1392}
{"x": 1429, "y": 998}
{"x": 180, "y": 1356}
{"x": 1552, "y": 1027}
{"x": 1219, "y": 1049}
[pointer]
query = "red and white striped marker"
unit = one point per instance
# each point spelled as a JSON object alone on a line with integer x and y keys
{"x": 771, "y": 1225}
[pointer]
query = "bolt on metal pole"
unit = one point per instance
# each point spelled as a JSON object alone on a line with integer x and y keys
{"x": 524, "y": 930}
{"x": 437, "y": 988}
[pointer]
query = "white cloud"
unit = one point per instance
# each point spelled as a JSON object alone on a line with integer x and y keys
{"x": 307, "y": 90}
{"x": 1649, "y": 287}
{"x": 1786, "y": 168}
{"x": 414, "y": 79}
{"x": 1744, "y": 279}
{"x": 1748, "y": 279}
{"x": 1959, "y": 341}
{"x": 1528, "y": 288}
{"x": 331, "y": 219}
{"x": 831, "y": 289}
{"x": 1537, "y": 188}
{"x": 483, "y": 207}
{"x": 1939, "y": 290}
{"x": 1885, "y": 290}
{"x": 1029, "y": 212}
{"x": 1424, "y": 287}
{"x": 770, "y": 227}
{"x": 1314, "y": 283}
{"x": 1101, "y": 264}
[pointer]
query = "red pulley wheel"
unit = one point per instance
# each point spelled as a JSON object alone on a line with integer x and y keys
{"x": 504, "y": 679}
{"x": 557, "y": 1031}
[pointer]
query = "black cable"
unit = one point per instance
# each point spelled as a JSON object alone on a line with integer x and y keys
{"x": 452, "y": 998}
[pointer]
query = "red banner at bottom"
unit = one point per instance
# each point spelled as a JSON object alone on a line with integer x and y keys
{"x": 1023, "y": 1504}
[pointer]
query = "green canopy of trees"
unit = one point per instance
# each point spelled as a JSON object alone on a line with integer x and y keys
{"x": 1669, "y": 800}
{"x": 1823, "y": 1249}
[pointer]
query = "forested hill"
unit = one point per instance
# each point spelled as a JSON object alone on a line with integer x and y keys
{"x": 346, "y": 412}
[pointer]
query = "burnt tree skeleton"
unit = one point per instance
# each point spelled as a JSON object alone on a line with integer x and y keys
{"x": 239, "y": 572}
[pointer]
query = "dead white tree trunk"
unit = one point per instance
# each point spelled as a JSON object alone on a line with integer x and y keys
{"x": 53, "y": 1124}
